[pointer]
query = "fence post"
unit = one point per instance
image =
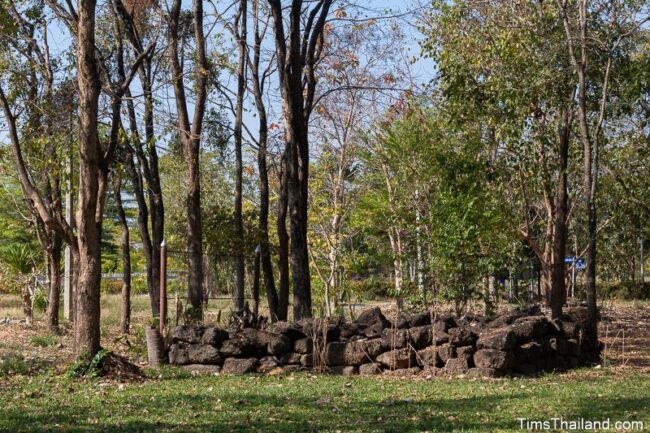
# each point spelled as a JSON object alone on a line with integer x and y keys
{"x": 163, "y": 287}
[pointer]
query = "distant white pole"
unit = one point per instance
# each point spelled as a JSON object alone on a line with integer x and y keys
{"x": 67, "y": 255}
{"x": 642, "y": 264}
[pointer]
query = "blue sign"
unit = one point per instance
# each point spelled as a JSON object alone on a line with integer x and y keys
{"x": 580, "y": 264}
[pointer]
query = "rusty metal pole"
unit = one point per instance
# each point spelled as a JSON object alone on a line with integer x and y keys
{"x": 163, "y": 287}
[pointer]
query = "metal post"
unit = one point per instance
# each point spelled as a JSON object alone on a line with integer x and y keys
{"x": 68, "y": 294}
{"x": 573, "y": 279}
{"x": 163, "y": 287}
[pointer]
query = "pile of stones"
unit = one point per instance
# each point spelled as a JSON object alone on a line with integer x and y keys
{"x": 517, "y": 343}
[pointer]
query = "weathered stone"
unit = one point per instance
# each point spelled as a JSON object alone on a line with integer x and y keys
{"x": 291, "y": 368}
{"x": 303, "y": 346}
{"x": 238, "y": 347}
{"x": 575, "y": 314}
{"x": 369, "y": 369}
{"x": 478, "y": 372}
{"x": 200, "y": 369}
{"x": 401, "y": 321}
{"x": 372, "y": 347}
{"x": 397, "y": 359}
{"x": 461, "y": 336}
{"x": 317, "y": 328}
{"x": 505, "y": 319}
{"x": 427, "y": 357}
{"x": 289, "y": 330}
{"x": 558, "y": 345}
{"x": 491, "y": 358}
{"x": 412, "y": 371}
{"x": 178, "y": 354}
{"x": 526, "y": 369}
{"x": 394, "y": 338}
{"x": 528, "y": 352}
{"x": 420, "y": 336}
{"x": 440, "y": 337}
{"x": 239, "y": 365}
{"x": 374, "y": 330}
{"x": 500, "y": 339}
{"x": 572, "y": 348}
{"x": 466, "y": 352}
{"x": 214, "y": 337}
{"x": 572, "y": 330}
{"x": 445, "y": 352}
{"x": 289, "y": 358}
{"x": 344, "y": 370}
{"x": 204, "y": 354}
{"x": 187, "y": 333}
{"x": 471, "y": 320}
{"x": 352, "y": 353}
{"x": 529, "y": 328}
{"x": 419, "y": 319}
{"x": 372, "y": 316}
{"x": 268, "y": 364}
{"x": 267, "y": 342}
{"x": 307, "y": 361}
{"x": 554, "y": 363}
{"x": 457, "y": 366}
{"x": 429, "y": 372}
{"x": 444, "y": 322}
{"x": 349, "y": 329}
{"x": 573, "y": 362}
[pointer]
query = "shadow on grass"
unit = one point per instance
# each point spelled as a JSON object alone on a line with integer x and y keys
{"x": 214, "y": 406}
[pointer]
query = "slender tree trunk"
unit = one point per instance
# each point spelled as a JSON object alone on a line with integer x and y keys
{"x": 143, "y": 230}
{"x": 241, "y": 32}
{"x": 255, "y": 291}
{"x": 263, "y": 225}
{"x": 558, "y": 273}
{"x": 126, "y": 256}
{"x": 54, "y": 295}
{"x": 191, "y": 141}
{"x": 283, "y": 242}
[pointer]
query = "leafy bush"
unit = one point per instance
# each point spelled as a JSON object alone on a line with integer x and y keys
{"x": 39, "y": 301}
{"x": 625, "y": 290}
{"x": 88, "y": 366}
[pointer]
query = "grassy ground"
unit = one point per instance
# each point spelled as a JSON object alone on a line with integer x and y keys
{"x": 35, "y": 395}
{"x": 326, "y": 403}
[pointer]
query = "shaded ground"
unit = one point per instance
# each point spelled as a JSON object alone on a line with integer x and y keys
{"x": 304, "y": 402}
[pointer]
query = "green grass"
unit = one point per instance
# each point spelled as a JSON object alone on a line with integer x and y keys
{"x": 309, "y": 403}
{"x": 44, "y": 340}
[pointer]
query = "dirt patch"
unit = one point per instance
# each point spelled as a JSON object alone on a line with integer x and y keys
{"x": 625, "y": 332}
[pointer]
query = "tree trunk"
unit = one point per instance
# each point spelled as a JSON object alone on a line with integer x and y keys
{"x": 283, "y": 242}
{"x": 297, "y": 174}
{"x": 190, "y": 134}
{"x": 255, "y": 291}
{"x": 125, "y": 321}
{"x": 263, "y": 225}
{"x": 240, "y": 31}
{"x": 558, "y": 272}
{"x": 87, "y": 311}
{"x": 54, "y": 295}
